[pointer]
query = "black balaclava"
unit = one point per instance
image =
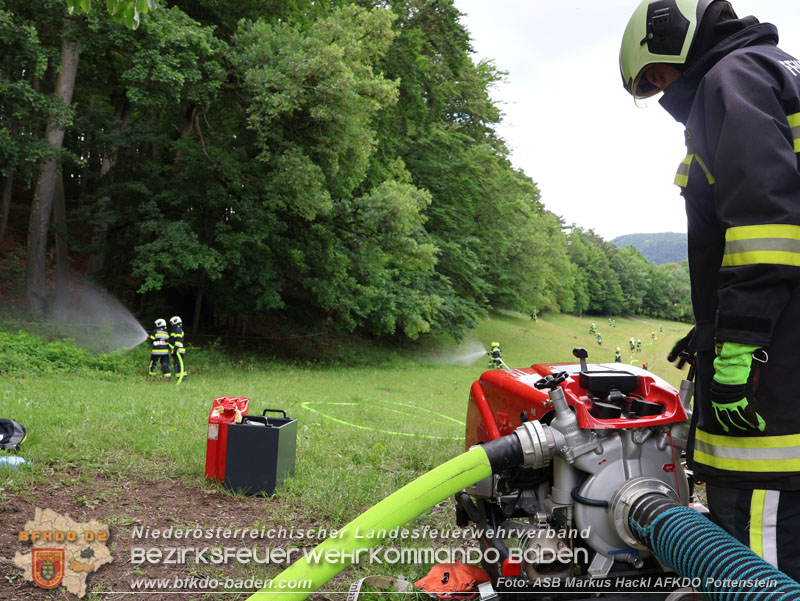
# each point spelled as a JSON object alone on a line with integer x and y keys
{"x": 719, "y": 23}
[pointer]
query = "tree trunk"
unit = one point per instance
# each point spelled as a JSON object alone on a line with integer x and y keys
{"x": 62, "y": 251}
{"x": 5, "y": 207}
{"x": 198, "y": 303}
{"x": 100, "y": 230}
{"x": 42, "y": 205}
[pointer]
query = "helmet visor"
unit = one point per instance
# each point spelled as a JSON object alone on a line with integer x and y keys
{"x": 642, "y": 88}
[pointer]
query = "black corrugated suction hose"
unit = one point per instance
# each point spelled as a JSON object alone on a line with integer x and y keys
{"x": 696, "y": 548}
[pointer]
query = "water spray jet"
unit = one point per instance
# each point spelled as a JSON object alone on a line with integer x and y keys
{"x": 463, "y": 354}
{"x": 94, "y": 319}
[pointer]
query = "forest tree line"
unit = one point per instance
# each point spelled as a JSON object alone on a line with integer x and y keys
{"x": 331, "y": 159}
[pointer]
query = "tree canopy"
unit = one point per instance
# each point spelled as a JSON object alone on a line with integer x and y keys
{"x": 331, "y": 162}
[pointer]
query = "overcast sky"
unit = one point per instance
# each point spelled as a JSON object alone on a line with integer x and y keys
{"x": 599, "y": 161}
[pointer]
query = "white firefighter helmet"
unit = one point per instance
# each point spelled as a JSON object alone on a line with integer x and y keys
{"x": 160, "y": 323}
{"x": 175, "y": 320}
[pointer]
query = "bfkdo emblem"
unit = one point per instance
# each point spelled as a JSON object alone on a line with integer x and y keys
{"x": 48, "y": 567}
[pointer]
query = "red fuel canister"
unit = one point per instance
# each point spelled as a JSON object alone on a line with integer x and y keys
{"x": 224, "y": 411}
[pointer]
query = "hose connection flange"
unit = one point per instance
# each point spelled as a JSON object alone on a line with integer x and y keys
{"x": 538, "y": 444}
{"x": 630, "y": 494}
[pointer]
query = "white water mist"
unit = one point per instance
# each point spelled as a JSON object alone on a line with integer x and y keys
{"x": 465, "y": 353}
{"x": 95, "y": 319}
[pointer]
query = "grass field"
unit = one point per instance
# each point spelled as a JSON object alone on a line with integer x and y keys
{"x": 105, "y": 445}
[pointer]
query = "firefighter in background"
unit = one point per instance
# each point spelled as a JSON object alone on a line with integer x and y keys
{"x": 618, "y": 356}
{"x": 160, "y": 351}
{"x": 738, "y": 97}
{"x": 599, "y": 339}
{"x": 496, "y": 355}
{"x": 639, "y": 345}
{"x": 178, "y": 348}
{"x": 632, "y": 342}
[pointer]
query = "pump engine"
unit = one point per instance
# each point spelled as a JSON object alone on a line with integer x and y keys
{"x": 586, "y": 430}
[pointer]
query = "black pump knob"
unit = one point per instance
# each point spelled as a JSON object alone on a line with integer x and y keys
{"x": 552, "y": 382}
{"x": 581, "y": 354}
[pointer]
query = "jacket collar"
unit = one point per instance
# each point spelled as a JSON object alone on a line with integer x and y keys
{"x": 678, "y": 98}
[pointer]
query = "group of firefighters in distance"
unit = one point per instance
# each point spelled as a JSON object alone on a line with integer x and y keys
{"x": 496, "y": 356}
{"x": 166, "y": 343}
{"x": 635, "y": 345}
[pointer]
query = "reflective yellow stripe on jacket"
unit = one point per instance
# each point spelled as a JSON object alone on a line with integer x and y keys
{"x": 794, "y": 123}
{"x": 682, "y": 176}
{"x": 758, "y": 454}
{"x": 778, "y": 244}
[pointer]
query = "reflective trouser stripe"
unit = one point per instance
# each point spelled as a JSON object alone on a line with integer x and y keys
{"x": 761, "y": 454}
{"x": 777, "y": 243}
{"x": 757, "y": 522}
{"x": 794, "y": 123}
{"x": 764, "y": 524}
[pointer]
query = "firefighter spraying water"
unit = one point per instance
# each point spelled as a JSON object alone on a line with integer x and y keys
{"x": 161, "y": 350}
{"x": 496, "y": 356}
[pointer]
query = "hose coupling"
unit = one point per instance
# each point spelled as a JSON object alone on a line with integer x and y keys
{"x": 538, "y": 442}
{"x": 639, "y": 496}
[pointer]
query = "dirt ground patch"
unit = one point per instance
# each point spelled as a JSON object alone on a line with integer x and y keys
{"x": 131, "y": 506}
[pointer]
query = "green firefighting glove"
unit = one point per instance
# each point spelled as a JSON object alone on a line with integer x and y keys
{"x": 732, "y": 406}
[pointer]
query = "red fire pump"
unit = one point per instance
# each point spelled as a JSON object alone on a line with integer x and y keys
{"x": 587, "y": 430}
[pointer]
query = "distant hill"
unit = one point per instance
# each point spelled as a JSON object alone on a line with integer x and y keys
{"x": 667, "y": 247}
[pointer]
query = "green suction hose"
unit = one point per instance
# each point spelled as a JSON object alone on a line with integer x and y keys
{"x": 395, "y": 510}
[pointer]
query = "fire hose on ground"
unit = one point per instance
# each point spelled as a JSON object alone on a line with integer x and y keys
{"x": 644, "y": 512}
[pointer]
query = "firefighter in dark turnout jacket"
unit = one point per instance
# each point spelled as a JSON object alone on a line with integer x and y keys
{"x": 496, "y": 355}
{"x": 738, "y": 96}
{"x": 178, "y": 348}
{"x": 160, "y": 351}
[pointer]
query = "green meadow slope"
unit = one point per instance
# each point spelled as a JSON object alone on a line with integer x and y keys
{"x": 107, "y": 442}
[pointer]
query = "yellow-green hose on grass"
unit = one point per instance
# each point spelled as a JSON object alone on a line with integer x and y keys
{"x": 395, "y": 510}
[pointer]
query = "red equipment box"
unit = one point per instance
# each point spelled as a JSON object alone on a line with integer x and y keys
{"x": 223, "y": 412}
